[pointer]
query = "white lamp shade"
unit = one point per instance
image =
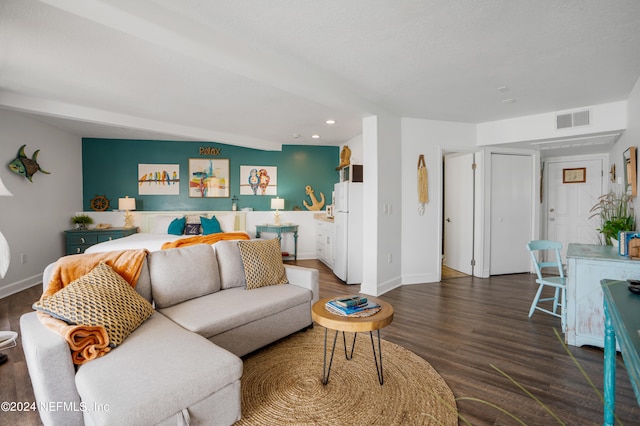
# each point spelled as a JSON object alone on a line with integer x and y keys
{"x": 126, "y": 203}
{"x": 277, "y": 203}
{"x": 3, "y": 190}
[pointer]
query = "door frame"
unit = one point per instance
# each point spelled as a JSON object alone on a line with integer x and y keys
{"x": 479, "y": 205}
{"x": 462, "y": 190}
{"x": 536, "y": 205}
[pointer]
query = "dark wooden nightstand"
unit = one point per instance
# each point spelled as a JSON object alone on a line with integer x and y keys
{"x": 78, "y": 240}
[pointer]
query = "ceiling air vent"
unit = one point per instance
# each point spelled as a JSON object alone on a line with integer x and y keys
{"x": 565, "y": 121}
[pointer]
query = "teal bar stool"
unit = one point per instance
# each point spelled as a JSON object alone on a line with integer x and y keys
{"x": 552, "y": 250}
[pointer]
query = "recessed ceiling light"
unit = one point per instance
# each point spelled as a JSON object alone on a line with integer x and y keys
{"x": 315, "y": 136}
{"x": 296, "y": 135}
{"x": 330, "y": 121}
{"x": 503, "y": 89}
{"x": 509, "y": 101}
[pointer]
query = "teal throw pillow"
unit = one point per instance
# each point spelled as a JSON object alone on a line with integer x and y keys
{"x": 176, "y": 227}
{"x": 210, "y": 226}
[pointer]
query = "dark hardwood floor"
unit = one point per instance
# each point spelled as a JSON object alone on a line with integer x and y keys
{"x": 466, "y": 328}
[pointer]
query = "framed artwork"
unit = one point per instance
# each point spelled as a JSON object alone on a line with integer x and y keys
{"x": 258, "y": 180}
{"x": 578, "y": 175}
{"x": 158, "y": 179}
{"x": 208, "y": 177}
{"x": 630, "y": 182}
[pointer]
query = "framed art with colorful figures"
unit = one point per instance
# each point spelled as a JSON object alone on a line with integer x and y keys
{"x": 208, "y": 177}
{"x": 258, "y": 180}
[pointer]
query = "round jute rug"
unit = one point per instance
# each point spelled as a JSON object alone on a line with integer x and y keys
{"x": 282, "y": 385}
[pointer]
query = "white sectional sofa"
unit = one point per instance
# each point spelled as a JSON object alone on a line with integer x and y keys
{"x": 182, "y": 365}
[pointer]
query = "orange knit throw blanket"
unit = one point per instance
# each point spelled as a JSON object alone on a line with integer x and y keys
{"x": 88, "y": 342}
{"x": 205, "y": 239}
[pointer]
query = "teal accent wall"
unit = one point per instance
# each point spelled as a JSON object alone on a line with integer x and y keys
{"x": 110, "y": 168}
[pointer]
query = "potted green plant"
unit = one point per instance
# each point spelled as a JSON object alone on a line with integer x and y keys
{"x": 81, "y": 221}
{"x": 615, "y": 211}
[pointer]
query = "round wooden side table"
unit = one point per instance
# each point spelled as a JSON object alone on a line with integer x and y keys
{"x": 343, "y": 324}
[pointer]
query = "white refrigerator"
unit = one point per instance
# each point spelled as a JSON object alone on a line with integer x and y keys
{"x": 348, "y": 215}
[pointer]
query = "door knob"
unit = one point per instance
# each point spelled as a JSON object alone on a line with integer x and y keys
{"x": 551, "y": 219}
{"x": 448, "y": 220}
{"x": 552, "y": 210}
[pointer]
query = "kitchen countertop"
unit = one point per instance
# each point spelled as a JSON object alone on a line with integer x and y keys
{"x": 323, "y": 217}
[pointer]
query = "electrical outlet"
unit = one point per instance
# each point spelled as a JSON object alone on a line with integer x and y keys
{"x": 23, "y": 258}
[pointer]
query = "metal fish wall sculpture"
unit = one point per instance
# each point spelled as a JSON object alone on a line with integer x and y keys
{"x": 25, "y": 166}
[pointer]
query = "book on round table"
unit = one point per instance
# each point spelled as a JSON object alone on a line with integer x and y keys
{"x": 341, "y": 310}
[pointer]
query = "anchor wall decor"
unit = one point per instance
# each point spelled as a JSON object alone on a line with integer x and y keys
{"x": 315, "y": 204}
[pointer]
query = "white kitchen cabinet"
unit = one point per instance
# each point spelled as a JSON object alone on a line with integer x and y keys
{"x": 325, "y": 235}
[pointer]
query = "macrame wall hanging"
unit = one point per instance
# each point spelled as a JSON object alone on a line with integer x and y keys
{"x": 423, "y": 185}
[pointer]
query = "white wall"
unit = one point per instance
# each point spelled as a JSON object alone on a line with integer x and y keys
{"x": 355, "y": 145}
{"x": 631, "y": 137}
{"x": 610, "y": 117}
{"x": 33, "y": 220}
{"x": 421, "y": 235}
{"x": 381, "y": 140}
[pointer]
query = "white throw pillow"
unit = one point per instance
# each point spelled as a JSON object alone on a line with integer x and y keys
{"x": 227, "y": 222}
{"x": 161, "y": 224}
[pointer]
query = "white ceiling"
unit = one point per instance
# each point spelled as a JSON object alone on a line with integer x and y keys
{"x": 255, "y": 72}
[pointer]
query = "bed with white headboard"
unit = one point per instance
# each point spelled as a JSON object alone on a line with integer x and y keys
{"x": 229, "y": 221}
{"x": 154, "y": 229}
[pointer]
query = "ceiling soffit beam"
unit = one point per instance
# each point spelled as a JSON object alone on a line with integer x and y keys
{"x": 92, "y": 115}
{"x": 610, "y": 137}
{"x": 186, "y": 37}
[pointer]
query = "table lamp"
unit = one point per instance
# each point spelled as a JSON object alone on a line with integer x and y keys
{"x": 277, "y": 204}
{"x": 127, "y": 204}
{"x": 5, "y": 253}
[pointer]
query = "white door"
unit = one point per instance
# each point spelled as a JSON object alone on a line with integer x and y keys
{"x": 458, "y": 212}
{"x": 568, "y": 203}
{"x": 511, "y": 213}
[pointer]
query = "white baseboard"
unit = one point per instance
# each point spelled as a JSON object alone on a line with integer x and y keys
{"x": 419, "y": 279}
{"x": 18, "y": 286}
{"x": 382, "y": 288}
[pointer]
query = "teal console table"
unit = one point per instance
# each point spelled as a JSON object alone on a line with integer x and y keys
{"x": 279, "y": 229}
{"x": 622, "y": 324}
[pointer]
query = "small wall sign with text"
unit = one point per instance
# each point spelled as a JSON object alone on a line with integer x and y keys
{"x": 578, "y": 175}
{"x": 207, "y": 150}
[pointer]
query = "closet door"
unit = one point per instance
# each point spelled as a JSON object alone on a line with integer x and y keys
{"x": 511, "y": 213}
